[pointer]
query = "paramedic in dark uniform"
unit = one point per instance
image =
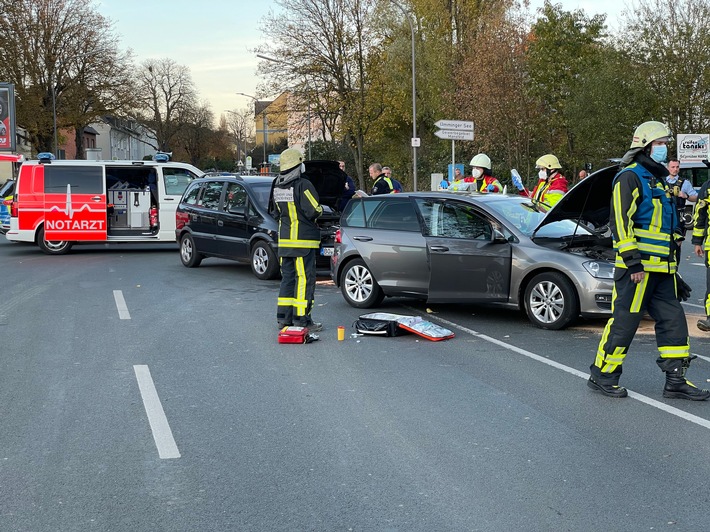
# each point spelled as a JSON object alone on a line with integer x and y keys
{"x": 297, "y": 207}
{"x": 644, "y": 222}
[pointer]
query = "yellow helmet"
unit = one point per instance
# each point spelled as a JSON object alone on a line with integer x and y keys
{"x": 647, "y": 132}
{"x": 481, "y": 160}
{"x": 289, "y": 159}
{"x": 548, "y": 161}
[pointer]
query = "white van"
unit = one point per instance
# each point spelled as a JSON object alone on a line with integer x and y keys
{"x": 59, "y": 203}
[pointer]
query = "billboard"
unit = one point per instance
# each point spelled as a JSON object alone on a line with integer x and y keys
{"x": 693, "y": 148}
{"x": 7, "y": 117}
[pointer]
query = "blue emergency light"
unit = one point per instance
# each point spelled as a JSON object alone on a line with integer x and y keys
{"x": 161, "y": 157}
{"x": 45, "y": 157}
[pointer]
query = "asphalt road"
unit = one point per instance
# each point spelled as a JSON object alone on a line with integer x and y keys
{"x": 137, "y": 394}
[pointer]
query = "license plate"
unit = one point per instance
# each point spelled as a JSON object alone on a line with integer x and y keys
{"x": 327, "y": 252}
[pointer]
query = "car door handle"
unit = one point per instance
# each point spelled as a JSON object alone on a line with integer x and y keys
{"x": 363, "y": 238}
{"x": 220, "y": 223}
{"x": 95, "y": 198}
{"x": 439, "y": 248}
{"x": 168, "y": 199}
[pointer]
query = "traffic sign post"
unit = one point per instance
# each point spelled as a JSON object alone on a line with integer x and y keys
{"x": 454, "y": 130}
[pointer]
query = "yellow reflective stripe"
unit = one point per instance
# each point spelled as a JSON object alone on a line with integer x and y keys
{"x": 654, "y": 234}
{"x": 653, "y": 248}
{"x": 285, "y": 301}
{"x": 313, "y": 201}
{"x": 638, "y": 295}
{"x": 674, "y": 351}
{"x": 553, "y": 197}
{"x": 300, "y": 286}
{"x": 626, "y": 245}
{"x": 301, "y": 244}
{"x": 707, "y": 306}
{"x": 293, "y": 216}
{"x": 657, "y": 217}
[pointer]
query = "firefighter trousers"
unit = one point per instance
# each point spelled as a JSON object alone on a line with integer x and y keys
{"x": 656, "y": 294}
{"x": 297, "y": 291}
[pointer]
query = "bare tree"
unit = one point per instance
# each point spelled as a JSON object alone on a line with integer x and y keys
{"x": 167, "y": 97}
{"x": 240, "y": 124}
{"x": 671, "y": 40}
{"x": 61, "y": 55}
{"x": 324, "y": 48}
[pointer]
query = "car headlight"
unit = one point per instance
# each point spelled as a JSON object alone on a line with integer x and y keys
{"x": 599, "y": 270}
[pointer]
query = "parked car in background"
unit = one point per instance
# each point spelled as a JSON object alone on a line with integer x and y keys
{"x": 482, "y": 248}
{"x": 230, "y": 216}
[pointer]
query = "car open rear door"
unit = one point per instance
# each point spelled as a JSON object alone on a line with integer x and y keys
{"x": 467, "y": 262}
{"x": 75, "y": 203}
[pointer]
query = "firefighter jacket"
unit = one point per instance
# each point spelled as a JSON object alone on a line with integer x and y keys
{"x": 383, "y": 185}
{"x": 297, "y": 208}
{"x": 549, "y": 191}
{"x": 644, "y": 219}
{"x": 482, "y": 184}
{"x": 700, "y": 217}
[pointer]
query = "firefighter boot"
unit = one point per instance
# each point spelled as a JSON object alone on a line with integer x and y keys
{"x": 677, "y": 387}
{"x": 607, "y": 384}
{"x": 704, "y": 325}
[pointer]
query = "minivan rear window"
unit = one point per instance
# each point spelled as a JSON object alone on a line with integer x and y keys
{"x": 83, "y": 179}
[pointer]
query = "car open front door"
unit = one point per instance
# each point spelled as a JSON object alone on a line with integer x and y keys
{"x": 74, "y": 203}
{"x": 467, "y": 261}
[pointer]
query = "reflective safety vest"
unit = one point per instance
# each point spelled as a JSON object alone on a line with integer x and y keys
{"x": 648, "y": 224}
{"x": 551, "y": 190}
{"x": 298, "y": 207}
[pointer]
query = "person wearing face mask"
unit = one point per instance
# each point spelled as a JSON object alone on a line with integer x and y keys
{"x": 643, "y": 222}
{"x": 481, "y": 172}
{"x": 551, "y": 185}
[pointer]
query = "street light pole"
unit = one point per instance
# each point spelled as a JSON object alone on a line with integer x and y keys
{"x": 263, "y": 112}
{"x": 414, "y": 95}
{"x": 267, "y": 58}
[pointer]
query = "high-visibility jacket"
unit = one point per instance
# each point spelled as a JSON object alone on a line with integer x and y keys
{"x": 701, "y": 217}
{"x": 643, "y": 221}
{"x": 298, "y": 208}
{"x": 483, "y": 182}
{"x": 549, "y": 191}
{"x": 383, "y": 185}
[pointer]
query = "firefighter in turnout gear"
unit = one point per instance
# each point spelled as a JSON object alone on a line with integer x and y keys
{"x": 701, "y": 243}
{"x": 644, "y": 224}
{"x": 481, "y": 171}
{"x": 297, "y": 207}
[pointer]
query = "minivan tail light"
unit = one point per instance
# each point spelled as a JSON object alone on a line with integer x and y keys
{"x": 13, "y": 206}
{"x": 337, "y": 237}
{"x": 181, "y": 219}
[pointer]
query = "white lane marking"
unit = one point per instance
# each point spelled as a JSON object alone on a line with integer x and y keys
{"x": 647, "y": 400}
{"x": 706, "y": 359}
{"x": 693, "y": 305}
{"x": 121, "y": 305}
{"x": 162, "y": 435}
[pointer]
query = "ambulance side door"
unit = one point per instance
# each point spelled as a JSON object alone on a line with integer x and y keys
{"x": 75, "y": 203}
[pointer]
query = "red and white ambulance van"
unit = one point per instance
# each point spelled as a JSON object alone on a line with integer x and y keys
{"x": 59, "y": 203}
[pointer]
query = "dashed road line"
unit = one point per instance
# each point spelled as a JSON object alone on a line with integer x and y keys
{"x": 162, "y": 435}
{"x": 121, "y": 305}
{"x": 572, "y": 371}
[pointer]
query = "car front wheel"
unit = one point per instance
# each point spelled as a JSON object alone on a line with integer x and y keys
{"x": 551, "y": 301}
{"x": 264, "y": 262}
{"x": 52, "y": 247}
{"x": 189, "y": 255}
{"x": 359, "y": 287}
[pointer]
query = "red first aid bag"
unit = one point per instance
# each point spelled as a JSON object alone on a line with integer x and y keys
{"x": 293, "y": 335}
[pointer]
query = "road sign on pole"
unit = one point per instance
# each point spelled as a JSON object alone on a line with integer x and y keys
{"x": 450, "y": 134}
{"x": 458, "y": 125}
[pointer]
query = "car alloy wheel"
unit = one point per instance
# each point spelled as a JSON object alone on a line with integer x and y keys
{"x": 550, "y": 301}
{"x": 264, "y": 262}
{"x": 359, "y": 286}
{"x": 188, "y": 252}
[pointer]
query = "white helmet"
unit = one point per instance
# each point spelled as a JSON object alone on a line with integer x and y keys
{"x": 482, "y": 161}
{"x": 647, "y": 132}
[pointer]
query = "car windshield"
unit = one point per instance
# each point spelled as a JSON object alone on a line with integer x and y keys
{"x": 262, "y": 192}
{"x": 7, "y": 189}
{"x": 526, "y": 216}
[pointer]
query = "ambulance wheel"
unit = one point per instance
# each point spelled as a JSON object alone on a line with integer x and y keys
{"x": 551, "y": 301}
{"x": 52, "y": 247}
{"x": 264, "y": 262}
{"x": 359, "y": 287}
{"x": 188, "y": 251}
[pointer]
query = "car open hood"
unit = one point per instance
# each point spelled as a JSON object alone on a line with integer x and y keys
{"x": 328, "y": 179}
{"x": 588, "y": 201}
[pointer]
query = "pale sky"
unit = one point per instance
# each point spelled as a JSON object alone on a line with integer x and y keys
{"x": 214, "y": 38}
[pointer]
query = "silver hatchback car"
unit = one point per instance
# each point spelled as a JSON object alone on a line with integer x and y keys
{"x": 555, "y": 264}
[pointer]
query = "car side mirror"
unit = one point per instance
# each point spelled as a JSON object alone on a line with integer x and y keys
{"x": 239, "y": 211}
{"x": 498, "y": 237}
